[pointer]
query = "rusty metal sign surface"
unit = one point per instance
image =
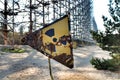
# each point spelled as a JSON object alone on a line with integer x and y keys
{"x": 54, "y": 41}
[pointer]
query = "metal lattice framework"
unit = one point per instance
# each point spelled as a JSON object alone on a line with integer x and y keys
{"x": 36, "y": 13}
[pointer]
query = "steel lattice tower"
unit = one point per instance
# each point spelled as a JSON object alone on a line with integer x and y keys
{"x": 37, "y": 13}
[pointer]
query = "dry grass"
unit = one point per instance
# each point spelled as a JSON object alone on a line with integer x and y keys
{"x": 74, "y": 76}
{"x": 33, "y": 65}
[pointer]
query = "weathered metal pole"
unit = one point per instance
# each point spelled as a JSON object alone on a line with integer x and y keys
{"x": 13, "y": 25}
{"x": 53, "y": 10}
{"x": 43, "y": 13}
{"x": 5, "y": 32}
{"x": 31, "y": 22}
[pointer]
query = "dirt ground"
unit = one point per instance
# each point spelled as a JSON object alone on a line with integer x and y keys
{"x": 32, "y": 65}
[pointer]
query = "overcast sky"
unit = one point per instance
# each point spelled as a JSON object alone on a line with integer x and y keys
{"x": 100, "y": 8}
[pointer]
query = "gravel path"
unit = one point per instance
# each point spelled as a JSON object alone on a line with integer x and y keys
{"x": 33, "y": 65}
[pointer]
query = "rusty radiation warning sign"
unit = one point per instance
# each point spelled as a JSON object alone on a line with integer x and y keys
{"x": 54, "y": 41}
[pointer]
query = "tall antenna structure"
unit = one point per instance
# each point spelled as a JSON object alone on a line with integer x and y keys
{"x": 46, "y": 11}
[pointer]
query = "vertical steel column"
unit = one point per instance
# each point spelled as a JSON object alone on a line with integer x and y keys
{"x": 5, "y": 23}
{"x": 31, "y": 22}
{"x": 13, "y": 24}
{"x": 43, "y": 12}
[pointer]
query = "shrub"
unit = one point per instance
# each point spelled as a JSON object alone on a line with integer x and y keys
{"x": 13, "y": 50}
{"x": 105, "y": 64}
